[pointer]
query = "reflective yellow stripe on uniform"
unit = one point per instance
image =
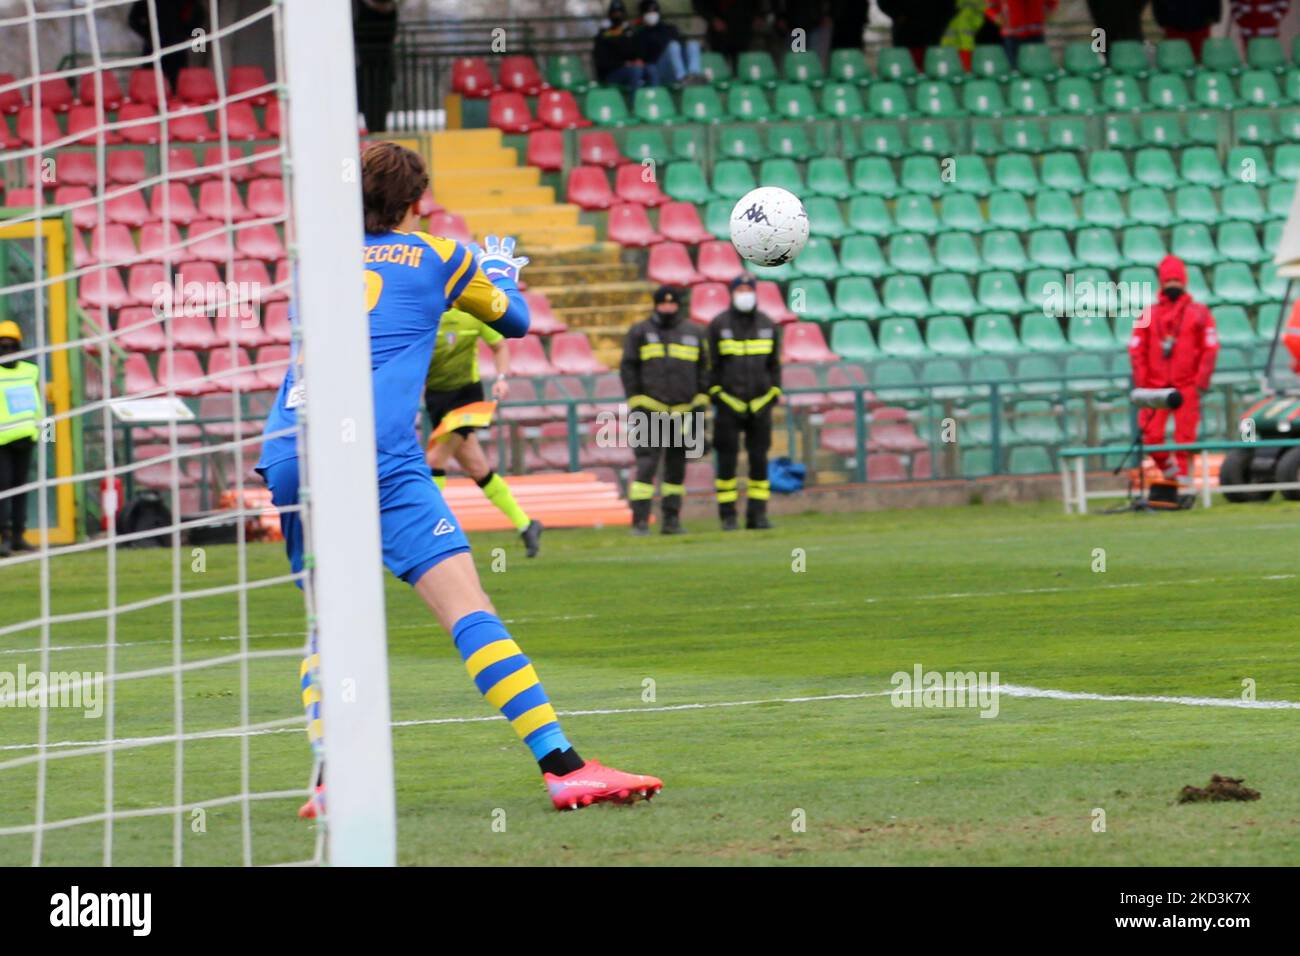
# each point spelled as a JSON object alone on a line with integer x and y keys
{"x": 726, "y": 490}
{"x": 745, "y": 346}
{"x": 646, "y": 402}
{"x": 759, "y": 490}
{"x": 735, "y": 404}
{"x": 666, "y": 489}
{"x": 688, "y": 353}
{"x": 762, "y": 400}
{"x": 640, "y": 491}
{"x": 652, "y": 350}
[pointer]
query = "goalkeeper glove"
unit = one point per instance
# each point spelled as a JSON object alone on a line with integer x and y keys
{"x": 497, "y": 258}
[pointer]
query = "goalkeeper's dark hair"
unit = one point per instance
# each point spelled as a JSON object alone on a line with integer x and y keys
{"x": 393, "y": 178}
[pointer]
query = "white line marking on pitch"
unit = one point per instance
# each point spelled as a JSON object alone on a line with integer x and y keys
{"x": 1011, "y": 690}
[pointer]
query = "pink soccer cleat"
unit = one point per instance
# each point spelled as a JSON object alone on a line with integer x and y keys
{"x": 593, "y": 783}
{"x": 315, "y": 806}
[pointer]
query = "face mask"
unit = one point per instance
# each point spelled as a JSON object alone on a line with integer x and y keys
{"x": 616, "y": 20}
{"x": 744, "y": 301}
{"x": 1173, "y": 294}
{"x": 665, "y": 318}
{"x": 651, "y": 18}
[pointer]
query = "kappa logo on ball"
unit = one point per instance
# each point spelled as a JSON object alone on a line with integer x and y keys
{"x": 443, "y": 527}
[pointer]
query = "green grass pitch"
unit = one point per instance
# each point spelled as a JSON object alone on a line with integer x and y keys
{"x": 1188, "y": 605}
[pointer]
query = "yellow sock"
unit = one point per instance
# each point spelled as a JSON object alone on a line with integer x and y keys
{"x": 498, "y": 492}
{"x": 439, "y": 478}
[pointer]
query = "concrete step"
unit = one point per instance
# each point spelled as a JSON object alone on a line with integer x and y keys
{"x": 592, "y": 252}
{"x": 603, "y": 318}
{"x": 464, "y": 140}
{"x": 517, "y": 219}
{"x": 539, "y": 241}
{"x": 486, "y": 165}
{"x": 572, "y": 275}
{"x": 495, "y": 197}
{"x": 598, "y": 294}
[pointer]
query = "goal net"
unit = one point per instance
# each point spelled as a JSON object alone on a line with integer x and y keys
{"x": 179, "y": 182}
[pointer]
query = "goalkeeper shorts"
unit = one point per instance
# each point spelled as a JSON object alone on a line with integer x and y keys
{"x": 417, "y": 527}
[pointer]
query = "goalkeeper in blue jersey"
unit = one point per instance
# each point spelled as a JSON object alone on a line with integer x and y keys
{"x": 412, "y": 278}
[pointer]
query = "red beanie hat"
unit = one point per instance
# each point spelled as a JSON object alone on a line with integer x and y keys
{"x": 1172, "y": 270}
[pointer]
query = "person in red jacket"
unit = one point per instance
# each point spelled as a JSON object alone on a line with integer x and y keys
{"x": 1021, "y": 22}
{"x": 1174, "y": 345}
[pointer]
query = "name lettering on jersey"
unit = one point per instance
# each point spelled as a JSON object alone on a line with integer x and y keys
{"x": 400, "y": 255}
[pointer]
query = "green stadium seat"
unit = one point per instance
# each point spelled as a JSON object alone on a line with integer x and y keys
{"x": 810, "y": 300}
{"x": 968, "y": 173}
{"x": 1199, "y": 286}
{"x": 1167, "y": 92}
{"x": 1087, "y": 372}
{"x": 1081, "y": 60}
{"x": 851, "y": 339}
{"x": 989, "y": 62}
{"x": 1120, "y": 133}
{"x": 1243, "y": 201}
{"x": 894, "y": 381}
{"x": 887, "y": 100}
{"x": 1008, "y": 210}
{"x": 1220, "y": 54}
{"x": 1015, "y": 171}
{"x": 901, "y": 338}
{"x": 921, "y": 174}
{"x": 1062, "y": 171}
{"x": 932, "y": 139}
{"x": 913, "y": 213}
{"x": 1043, "y": 287}
{"x": 1142, "y": 245}
{"x": 717, "y": 216}
{"x": 1280, "y": 197}
{"x": 984, "y": 371}
{"x": 701, "y": 104}
{"x": 860, "y": 255}
{"x": 1233, "y": 283}
{"x": 1074, "y": 95}
{"x": 1265, "y": 53}
{"x": 782, "y": 273}
{"x": 944, "y": 63}
{"x": 1030, "y": 460}
{"x": 982, "y": 97}
{"x": 1107, "y": 169}
{"x": 817, "y": 260}
{"x": 732, "y": 178}
{"x": 1203, "y": 128}
{"x": 946, "y": 378}
{"x": 1232, "y": 326}
{"x": 961, "y": 212}
{"x": 687, "y": 143}
{"x": 1288, "y": 122}
{"x": 1175, "y": 56}
{"x": 869, "y": 216}
{"x": 910, "y": 252}
{"x": 824, "y": 217}
{"x": 685, "y": 182}
{"x": 605, "y": 106}
{"x": 748, "y": 102}
{"x": 956, "y": 252}
{"x": 1042, "y": 333}
{"x": 978, "y": 462}
{"x": 1195, "y": 204}
{"x": 1129, "y": 58}
{"x": 895, "y": 64}
{"x": 1096, "y": 246}
{"x": 950, "y": 294}
{"x": 1272, "y": 286}
{"x": 881, "y": 139}
{"x": 645, "y": 143}
{"x": 716, "y": 69}
{"x": 741, "y": 142}
{"x": 1260, "y": 89}
{"x": 1067, "y": 132}
{"x": 793, "y": 101}
{"x": 828, "y": 176}
{"x": 568, "y": 71}
{"x": 1267, "y": 317}
{"x": 1028, "y": 96}
{"x": 1147, "y": 205}
{"x": 1001, "y": 249}
{"x": 994, "y": 333}
{"x": 781, "y": 172}
{"x": 1248, "y": 164}
{"x": 805, "y": 68}
{"x": 1159, "y": 129}
{"x": 874, "y": 175}
{"x": 842, "y": 101}
{"x": 855, "y": 297}
{"x": 756, "y": 68}
{"x": 1050, "y": 249}
{"x": 1286, "y": 162}
{"x": 1155, "y": 167}
{"x": 946, "y": 335}
{"x": 1038, "y": 374}
{"x": 999, "y": 292}
{"x": 1237, "y": 241}
{"x": 1034, "y": 60}
{"x": 1291, "y": 85}
{"x": 1192, "y": 243}
{"x": 654, "y": 105}
{"x": 904, "y": 295}
{"x": 849, "y": 66}
{"x": 1101, "y": 207}
{"x": 1122, "y": 94}
{"x": 1143, "y": 280}
{"x": 1019, "y": 136}
{"x": 791, "y": 139}
{"x": 1214, "y": 89}
{"x": 1254, "y": 128}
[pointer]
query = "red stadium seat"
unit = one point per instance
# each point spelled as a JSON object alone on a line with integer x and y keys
{"x": 798, "y": 378}
{"x": 606, "y": 393}
{"x": 208, "y": 241}
{"x": 275, "y": 359}
{"x": 542, "y": 320}
{"x": 598, "y": 148}
{"x": 23, "y": 198}
{"x": 282, "y": 283}
{"x": 509, "y": 112}
{"x": 149, "y": 284}
{"x": 772, "y": 304}
{"x": 630, "y": 226}
{"x": 138, "y": 330}
{"x": 252, "y": 275}
{"x": 81, "y": 257}
{"x": 191, "y": 128}
{"x": 259, "y": 242}
{"x": 524, "y": 390}
{"x": 228, "y": 161}
{"x": 527, "y": 358}
{"x": 804, "y": 342}
{"x": 192, "y": 331}
{"x": 145, "y": 128}
{"x": 245, "y": 79}
{"x": 266, "y": 198}
{"x": 159, "y": 241}
{"x": 102, "y": 289}
{"x": 471, "y": 77}
{"x": 241, "y": 326}
{"x": 718, "y": 261}
{"x": 241, "y": 122}
{"x": 271, "y": 121}
{"x": 90, "y": 84}
{"x": 139, "y": 377}
{"x": 559, "y": 110}
{"x": 589, "y": 188}
{"x": 707, "y": 300}
{"x": 680, "y": 222}
{"x": 233, "y": 373}
{"x": 520, "y": 73}
{"x": 182, "y": 374}
{"x": 11, "y": 100}
{"x": 571, "y": 354}
{"x": 546, "y": 149}
{"x": 275, "y": 322}
{"x": 48, "y": 127}
{"x": 173, "y": 201}
{"x": 124, "y": 167}
{"x": 143, "y": 86}
{"x": 71, "y": 169}
{"x": 55, "y": 92}
{"x": 128, "y": 208}
{"x": 882, "y": 467}
{"x": 272, "y": 166}
{"x": 631, "y": 184}
{"x": 846, "y": 376}
{"x": 7, "y": 139}
{"x": 670, "y": 264}
{"x": 111, "y": 244}
{"x": 214, "y": 203}
{"x": 85, "y": 125}
{"x": 892, "y": 432}
{"x": 450, "y": 226}
{"x": 197, "y": 85}
{"x": 181, "y": 164}
{"x": 85, "y": 215}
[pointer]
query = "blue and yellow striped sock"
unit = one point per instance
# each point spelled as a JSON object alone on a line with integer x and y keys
{"x": 309, "y": 684}
{"x": 505, "y": 676}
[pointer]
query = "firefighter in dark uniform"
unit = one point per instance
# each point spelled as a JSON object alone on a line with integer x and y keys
{"x": 744, "y": 384}
{"x": 665, "y": 370}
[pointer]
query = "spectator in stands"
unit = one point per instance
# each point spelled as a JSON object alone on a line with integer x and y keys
{"x": 730, "y": 24}
{"x": 812, "y": 18}
{"x": 617, "y": 56}
{"x": 1189, "y": 20}
{"x": 963, "y": 32}
{"x": 664, "y": 370}
{"x": 1259, "y": 18}
{"x": 374, "y": 28}
{"x": 744, "y": 383}
{"x": 1119, "y": 19}
{"x": 177, "y": 20}
{"x": 1174, "y": 345}
{"x": 673, "y": 60}
{"x": 20, "y": 409}
{"x": 917, "y": 24}
{"x": 1021, "y": 22}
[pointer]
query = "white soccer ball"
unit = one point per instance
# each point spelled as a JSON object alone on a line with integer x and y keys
{"x": 769, "y": 226}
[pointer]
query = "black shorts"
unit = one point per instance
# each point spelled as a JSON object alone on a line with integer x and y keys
{"x": 440, "y": 403}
